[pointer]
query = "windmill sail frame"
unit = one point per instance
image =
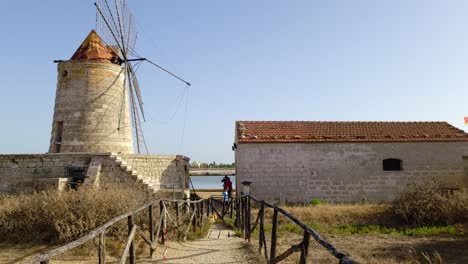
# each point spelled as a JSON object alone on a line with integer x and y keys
{"x": 115, "y": 25}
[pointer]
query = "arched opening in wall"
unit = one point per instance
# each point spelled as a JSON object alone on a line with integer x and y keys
{"x": 392, "y": 164}
{"x": 76, "y": 176}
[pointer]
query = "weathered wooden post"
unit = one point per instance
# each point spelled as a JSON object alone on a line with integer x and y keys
{"x": 260, "y": 233}
{"x": 244, "y": 233}
{"x": 194, "y": 220}
{"x": 230, "y": 205}
{"x": 273, "y": 234}
{"x": 262, "y": 227}
{"x": 248, "y": 218}
{"x": 237, "y": 221}
{"x": 224, "y": 205}
{"x": 197, "y": 214}
{"x": 162, "y": 214}
{"x": 177, "y": 212}
{"x": 132, "y": 244}
{"x": 151, "y": 228}
{"x": 305, "y": 247}
{"x": 246, "y": 206}
{"x": 102, "y": 247}
{"x": 202, "y": 213}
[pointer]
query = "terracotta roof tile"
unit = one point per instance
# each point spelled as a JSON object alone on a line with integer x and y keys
{"x": 318, "y": 131}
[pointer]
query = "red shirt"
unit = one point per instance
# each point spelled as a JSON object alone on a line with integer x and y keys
{"x": 228, "y": 184}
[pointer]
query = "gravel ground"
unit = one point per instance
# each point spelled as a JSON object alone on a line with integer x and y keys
{"x": 220, "y": 246}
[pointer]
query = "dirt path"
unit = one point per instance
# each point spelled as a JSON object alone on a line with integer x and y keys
{"x": 220, "y": 246}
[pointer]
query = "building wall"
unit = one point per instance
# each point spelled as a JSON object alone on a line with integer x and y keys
{"x": 91, "y": 101}
{"x": 28, "y": 173}
{"x": 161, "y": 171}
{"x": 344, "y": 172}
{"x": 32, "y": 173}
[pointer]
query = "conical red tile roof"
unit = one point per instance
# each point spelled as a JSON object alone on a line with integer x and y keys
{"x": 93, "y": 48}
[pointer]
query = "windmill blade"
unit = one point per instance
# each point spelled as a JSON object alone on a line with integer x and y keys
{"x": 134, "y": 114}
{"x": 115, "y": 24}
{"x": 106, "y": 25}
{"x": 136, "y": 87}
{"x": 139, "y": 136}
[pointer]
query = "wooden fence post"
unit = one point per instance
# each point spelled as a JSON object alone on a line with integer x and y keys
{"x": 102, "y": 248}
{"x": 230, "y": 205}
{"x": 224, "y": 206}
{"x": 248, "y": 218}
{"x": 197, "y": 215}
{"x": 151, "y": 228}
{"x": 194, "y": 220}
{"x": 236, "y": 222}
{"x": 273, "y": 235}
{"x": 132, "y": 244}
{"x": 162, "y": 214}
{"x": 177, "y": 212}
{"x": 305, "y": 247}
{"x": 202, "y": 213}
{"x": 244, "y": 216}
{"x": 260, "y": 233}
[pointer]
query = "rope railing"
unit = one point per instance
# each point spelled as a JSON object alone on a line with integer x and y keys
{"x": 196, "y": 220}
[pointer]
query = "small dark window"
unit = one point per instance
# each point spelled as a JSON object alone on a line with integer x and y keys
{"x": 76, "y": 176}
{"x": 392, "y": 165}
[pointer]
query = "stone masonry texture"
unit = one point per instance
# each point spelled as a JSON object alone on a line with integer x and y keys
{"x": 92, "y": 104}
{"x": 32, "y": 173}
{"x": 345, "y": 172}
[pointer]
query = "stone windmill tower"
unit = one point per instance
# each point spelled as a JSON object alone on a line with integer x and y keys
{"x": 98, "y": 98}
{"x": 91, "y": 104}
{"x": 96, "y": 135}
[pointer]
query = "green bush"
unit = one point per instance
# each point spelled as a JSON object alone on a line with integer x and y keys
{"x": 316, "y": 201}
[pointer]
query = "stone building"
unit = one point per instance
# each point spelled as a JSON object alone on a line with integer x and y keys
{"x": 91, "y": 139}
{"x": 346, "y": 161}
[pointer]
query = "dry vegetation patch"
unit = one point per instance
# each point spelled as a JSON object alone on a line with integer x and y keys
{"x": 425, "y": 224}
{"x": 55, "y": 217}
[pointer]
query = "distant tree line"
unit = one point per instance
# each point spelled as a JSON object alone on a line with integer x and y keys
{"x": 198, "y": 164}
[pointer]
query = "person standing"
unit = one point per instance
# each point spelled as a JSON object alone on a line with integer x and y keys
{"x": 225, "y": 200}
{"x": 227, "y": 184}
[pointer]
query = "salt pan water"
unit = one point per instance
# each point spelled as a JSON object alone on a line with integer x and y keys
{"x": 210, "y": 182}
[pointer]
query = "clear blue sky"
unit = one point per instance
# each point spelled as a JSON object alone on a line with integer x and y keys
{"x": 247, "y": 60}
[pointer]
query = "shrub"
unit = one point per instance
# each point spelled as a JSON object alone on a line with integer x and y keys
{"x": 55, "y": 217}
{"x": 430, "y": 203}
{"x": 315, "y": 201}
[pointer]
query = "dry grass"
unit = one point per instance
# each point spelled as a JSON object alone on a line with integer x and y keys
{"x": 430, "y": 204}
{"x": 339, "y": 214}
{"x": 425, "y": 224}
{"x": 55, "y": 217}
{"x": 433, "y": 246}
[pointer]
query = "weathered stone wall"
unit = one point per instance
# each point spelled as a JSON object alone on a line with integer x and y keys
{"x": 161, "y": 172}
{"x": 30, "y": 173}
{"x": 344, "y": 172}
{"x": 91, "y": 109}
